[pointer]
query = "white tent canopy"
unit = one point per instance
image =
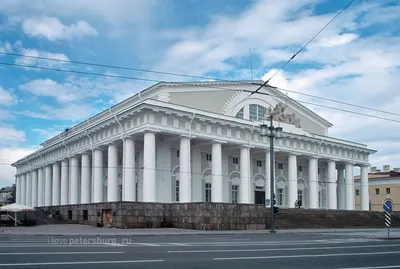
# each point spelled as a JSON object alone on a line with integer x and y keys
{"x": 16, "y": 208}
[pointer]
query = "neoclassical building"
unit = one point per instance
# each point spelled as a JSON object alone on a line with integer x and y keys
{"x": 196, "y": 142}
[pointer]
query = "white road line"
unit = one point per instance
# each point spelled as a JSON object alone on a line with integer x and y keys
{"x": 68, "y": 263}
{"x": 179, "y": 244}
{"x": 377, "y": 267}
{"x": 308, "y": 256}
{"x": 275, "y": 249}
{"x": 63, "y": 253}
{"x": 146, "y": 244}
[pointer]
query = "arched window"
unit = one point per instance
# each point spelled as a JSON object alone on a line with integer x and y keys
{"x": 240, "y": 114}
{"x": 257, "y": 112}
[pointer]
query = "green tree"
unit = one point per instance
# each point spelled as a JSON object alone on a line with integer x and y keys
{"x": 11, "y": 199}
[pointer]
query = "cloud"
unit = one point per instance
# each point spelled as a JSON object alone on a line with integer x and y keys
{"x": 53, "y": 29}
{"x": 11, "y": 136}
{"x": 7, "y": 97}
{"x": 9, "y": 155}
{"x": 40, "y": 62}
{"x": 47, "y": 133}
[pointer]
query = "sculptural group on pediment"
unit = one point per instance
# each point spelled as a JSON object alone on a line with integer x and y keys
{"x": 279, "y": 115}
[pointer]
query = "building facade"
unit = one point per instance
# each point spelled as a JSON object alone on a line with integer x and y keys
{"x": 384, "y": 186}
{"x": 196, "y": 142}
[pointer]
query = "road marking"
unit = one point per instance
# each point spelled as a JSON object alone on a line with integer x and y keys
{"x": 378, "y": 267}
{"x": 276, "y": 249}
{"x": 63, "y": 253}
{"x": 179, "y": 244}
{"x": 68, "y": 263}
{"x": 146, "y": 244}
{"x": 308, "y": 256}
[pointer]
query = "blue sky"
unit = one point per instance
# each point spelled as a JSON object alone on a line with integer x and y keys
{"x": 356, "y": 59}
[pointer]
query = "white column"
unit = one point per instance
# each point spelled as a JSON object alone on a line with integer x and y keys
{"x": 74, "y": 180}
{"x": 17, "y": 190}
{"x": 341, "y": 189}
{"x": 23, "y": 189}
{"x": 268, "y": 176}
{"x": 184, "y": 171}
{"x": 47, "y": 186}
{"x": 64, "y": 182}
{"x": 40, "y": 186}
{"x": 332, "y": 203}
{"x": 112, "y": 178}
{"x": 292, "y": 180}
{"x": 216, "y": 171}
{"x": 56, "y": 184}
{"x": 98, "y": 176}
{"x": 34, "y": 188}
{"x": 86, "y": 179}
{"x": 129, "y": 175}
{"x": 364, "y": 189}
{"x": 312, "y": 183}
{"x": 349, "y": 187}
{"x": 149, "y": 168}
{"x": 28, "y": 194}
{"x": 244, "y": 193}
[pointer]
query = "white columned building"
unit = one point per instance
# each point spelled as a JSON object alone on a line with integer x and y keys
{"x": 196, "y": 142}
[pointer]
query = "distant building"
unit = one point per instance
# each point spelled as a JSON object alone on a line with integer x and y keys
{"x": 5, "y": 195}
{"x": 383, "y": 186}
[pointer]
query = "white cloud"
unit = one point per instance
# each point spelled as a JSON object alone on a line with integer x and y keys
{"x": 53, "y": 29}
{"x": 9, "y": 155}
{"x": 40, "y": 62}
{"x": 65, "y": 92}
{"x": 47, "y": 133}
{"x": 7, "y": 97}
{"x": 11, "y": 136}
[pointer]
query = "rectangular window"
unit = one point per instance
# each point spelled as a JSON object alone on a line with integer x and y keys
{"x": 259, "y": 163}
{"x": 85, "y": 215}
{"x": 300, "y": 195}
{"x": 357, "y": 192}
{"x": 253, "y": 112}
{"x": 280, "y": 166}
{"x": 235, "y": 160}
{"x": 120, "y": 161}
{"x": 177, "y": 153}
{"x": 280, "y": 197}
{"x": 177, "y": 191}
{"x": 208, "y": 192}
{"x": 69, "y": 214}
{"x": 377, "y": 191}
{"x": 387, "y": 190}
{"x": 318, "y": 171}
{"x": 299, "y": 168}
{"x": 235, "y": 189}
{"x": 208, "y": 157}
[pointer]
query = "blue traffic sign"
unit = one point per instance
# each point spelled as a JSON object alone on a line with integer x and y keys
{"x": 387, "y": 206}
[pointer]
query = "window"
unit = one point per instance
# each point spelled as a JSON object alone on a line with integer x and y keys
{"x": 259, "y": 163}
{"x": 69, "y": 214}
{"x": 177, "y": 191}
{"x": 177, "y": 153}
{"x": 257, "y": 112}
{"x": 240, "y": 114}
{"x": 208, "y": 192}
{"x": 208, "y": 157}
{"x": 235, "y": 160}
{"x": 318, "y": 171}
{"x": 300, "y": 195}
{"x": 387, "y": 190}
{"x": 235, "y": 189}
{"x": 357, "y": 192}
{"x": 280, "y": 166}
{"x": 377, "y": 191}
{"x": 280, "y": 197}
{"x": 85, "y": 215}
{"x": 300, "y": 168}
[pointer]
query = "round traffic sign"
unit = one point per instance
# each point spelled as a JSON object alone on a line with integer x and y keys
{"x": 387, "y": 206}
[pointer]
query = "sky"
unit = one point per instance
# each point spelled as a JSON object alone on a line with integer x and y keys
{"x": 355, "y": 60}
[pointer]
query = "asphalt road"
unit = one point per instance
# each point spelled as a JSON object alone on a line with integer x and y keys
{"x": 197, "y": 251}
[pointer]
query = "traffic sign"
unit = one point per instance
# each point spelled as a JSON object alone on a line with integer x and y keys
{"x": 387, "y": 219}
{"x": 387, "y": 206}
{"x": 267, "y": 202}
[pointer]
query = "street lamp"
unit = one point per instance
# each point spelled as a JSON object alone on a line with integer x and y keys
{"x": 272, "y": 132}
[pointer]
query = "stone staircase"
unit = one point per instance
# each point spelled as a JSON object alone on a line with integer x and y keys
{"x": 308, "y": 218}
{"x": 41, "y": 217}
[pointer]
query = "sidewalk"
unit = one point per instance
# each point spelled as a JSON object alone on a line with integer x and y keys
{"x": 84, "y": 230}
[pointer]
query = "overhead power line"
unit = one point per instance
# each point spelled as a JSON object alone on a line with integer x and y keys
{"x": 303, "y": 47}
{"x": 214, "y": 87}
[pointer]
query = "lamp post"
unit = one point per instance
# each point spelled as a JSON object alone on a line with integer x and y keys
{"x": 272, "y": 132}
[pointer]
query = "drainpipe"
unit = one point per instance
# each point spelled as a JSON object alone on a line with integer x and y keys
{"x": 190, "y": 171}
{"x": 92, "y": 174}
{"x": 123, "y": 156}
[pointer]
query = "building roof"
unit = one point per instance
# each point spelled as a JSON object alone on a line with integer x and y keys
{"x": 381, "y": 175}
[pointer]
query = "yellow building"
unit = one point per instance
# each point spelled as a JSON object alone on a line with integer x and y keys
{"x": 383, "y": 186}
